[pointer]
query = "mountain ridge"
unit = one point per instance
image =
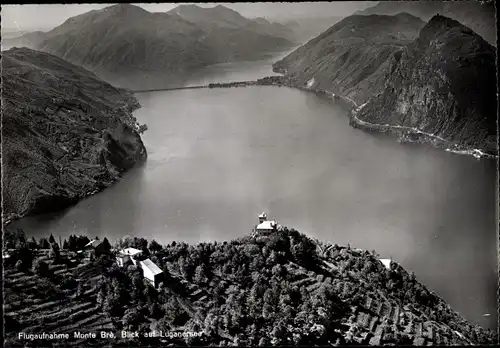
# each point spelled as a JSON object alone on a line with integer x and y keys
{"x": 477, "y": 15}
{"x": 333, "y": 58}
{"x": 65, "y": 133}
{"x": 442, "y": 84}
{"x": 124, "y": 38}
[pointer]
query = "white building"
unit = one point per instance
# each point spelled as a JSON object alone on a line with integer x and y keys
{"x": 265, "y": 226}
{"x": 386, "y": 262}
{"x": 151, "y": 272}
{"x": 128, "y": 255}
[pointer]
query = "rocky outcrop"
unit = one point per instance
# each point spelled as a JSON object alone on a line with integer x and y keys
{"x": 65, "y": 133}
{"x": 352, "y": 57}
{"x": 443, "y": 84}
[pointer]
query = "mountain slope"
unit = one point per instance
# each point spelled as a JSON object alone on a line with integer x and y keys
{"x": 444, "y": 84}
{"x": 478, "y": 16}
{"x": 220, "y": 17}
{"x": 125, "y": 38}
{"x": 65, "y": 133}
{"x": 29, "y": 39}
{"x": 351, "y": 58}
{"x": 306, "y": 28}
{"x": 209, "y": 17}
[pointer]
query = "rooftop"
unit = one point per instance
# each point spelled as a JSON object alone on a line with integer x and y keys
{"x": 93, "y": 243}
{"x": 386, "y": 263}
{"x": 151, "y": 266}
{"x": 266, "y": 225}
{"x": 130, "y": 251}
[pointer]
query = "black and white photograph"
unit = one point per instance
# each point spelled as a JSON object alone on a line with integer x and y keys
{"x": 250, "y": 174}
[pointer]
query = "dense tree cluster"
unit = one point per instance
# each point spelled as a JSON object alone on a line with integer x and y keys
{"x": 76, "y": 243}
{"x": 264, "y": 290}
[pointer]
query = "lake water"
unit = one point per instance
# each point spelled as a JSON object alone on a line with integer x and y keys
{"x": 218, "y": 157}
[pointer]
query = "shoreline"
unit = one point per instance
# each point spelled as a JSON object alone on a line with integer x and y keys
{"x": 404, "y": 134}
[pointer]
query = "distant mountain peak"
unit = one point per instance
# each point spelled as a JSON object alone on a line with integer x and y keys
{"x": 439, "y": 19}
{"x": 477, "y": 15}
{"x": 125, "y": 8}
{"x": 187, "y": 7}
{"x": 261, "y": 20}
{"x": 440, "y": 24}
{"x": 406, "y": 15}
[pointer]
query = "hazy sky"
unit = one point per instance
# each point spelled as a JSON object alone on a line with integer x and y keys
{"x": 43, "y": 17}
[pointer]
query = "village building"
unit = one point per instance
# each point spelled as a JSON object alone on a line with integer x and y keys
{"x": 265, "y": 226}
{"x": 152, "y": 273}
{"x": 386, "y": 263}
{"x": 128, "y": 256}
{"x": 93, "y": 249}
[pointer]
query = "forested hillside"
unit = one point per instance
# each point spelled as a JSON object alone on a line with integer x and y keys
{"x": 281, "y": 289}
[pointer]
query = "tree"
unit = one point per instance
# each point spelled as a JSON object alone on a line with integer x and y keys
{"x": 106, "y": 245}
{"x": 41, "y": 268}
{"x": 72, "y": 243}
{"x": 79, "y": 290}
{"x": 143, "y": 329}
{"x": 132, "y": 319}
{"x": 137, "y": 286}
{"x": 267, "y": 311}
{"x": 101, "y": 297}
{"x": 263, "y": 342}
{"x": 21, "y": 238}
{"x": 278, "y": 333}
{"x": 199, "y": 275}
{"x": 412, "y": 277}
{"x": 54, "y": 252}
{"x": 142, "y": 128}
{"x": 52, "y": 239}
{"x": 9, "y": 239}
{"x": 164, "y": 324}
{"x": 154, "y": 246}
{"x": 156, "y": 311}
{"x": 65, "y": 245}
{"x": 141, "y": 244}
{"x": 239, "y": 340}
{"x": 25, "y": 255}
{"x": 112, "y": 306}
{"x": 304, "y": 252}
{"x": 32, "y": 244}
{"x": 210, "y": 325}
{"x": 44, "y": 243}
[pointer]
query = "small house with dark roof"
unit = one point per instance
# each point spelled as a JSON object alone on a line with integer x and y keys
{"x": 152, "y": 273}
{"x": 93, "y": 248}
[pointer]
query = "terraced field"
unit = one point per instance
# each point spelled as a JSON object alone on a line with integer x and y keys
{"x": 34, "y": 304}
{"x": 376, "y": 319}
